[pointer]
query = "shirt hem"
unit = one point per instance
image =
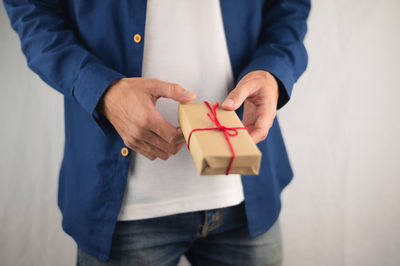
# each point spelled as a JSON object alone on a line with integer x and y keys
{"x": 154, "y": 210}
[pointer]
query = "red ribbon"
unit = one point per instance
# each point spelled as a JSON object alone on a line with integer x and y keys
{"x": 227, "y": 131}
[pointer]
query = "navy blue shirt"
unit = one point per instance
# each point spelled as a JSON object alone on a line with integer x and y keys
{"x": 81, "y": 47}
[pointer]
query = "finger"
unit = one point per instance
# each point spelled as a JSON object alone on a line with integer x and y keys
{"x": 178, "y": 147}
{"x": 171, "y": 90}
{"x": 249, "y": 109}
{"x": 153, "y": 150}
{"x": 159, "y": 153}
{"x": 166, "y": 154}
{"x": 180, "y": 138}
{"x": 143, "y": 152}
{"x": 237, "y": 96}
{"x": 259, "y": 131}
{"x": 146, "y": 149}
{"x": 157, "y": 141}
{"x": 165, "y": 130}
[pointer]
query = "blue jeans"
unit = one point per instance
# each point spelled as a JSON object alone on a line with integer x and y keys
{"x": 211, "y": 237}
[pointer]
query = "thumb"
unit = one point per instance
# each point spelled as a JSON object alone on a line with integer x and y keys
{"x": 235, "y": 98}
{"x": 172, "y": 91}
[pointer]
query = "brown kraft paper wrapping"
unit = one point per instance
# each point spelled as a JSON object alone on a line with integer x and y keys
{"x": 209, "y": 148}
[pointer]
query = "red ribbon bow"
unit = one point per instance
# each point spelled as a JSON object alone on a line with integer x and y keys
{"x": 228, "y": 131}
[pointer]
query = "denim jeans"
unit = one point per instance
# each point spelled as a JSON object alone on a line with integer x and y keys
{"x": 211, "y": 237}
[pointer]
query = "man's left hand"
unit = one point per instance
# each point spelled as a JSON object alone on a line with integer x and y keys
{"x": 259, "y": 92}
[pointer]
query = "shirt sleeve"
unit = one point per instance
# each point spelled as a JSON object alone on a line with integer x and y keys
{"x": 54, "y": 52}
{"x": 280, "y": 49}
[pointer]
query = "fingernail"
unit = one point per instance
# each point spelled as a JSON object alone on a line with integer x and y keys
{"x": 228, "y": 102}
{"x": 188, "y": 94}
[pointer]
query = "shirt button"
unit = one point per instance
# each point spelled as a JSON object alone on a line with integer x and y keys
{"x": 137, "y": 38}
{"x": 124, "y": 151}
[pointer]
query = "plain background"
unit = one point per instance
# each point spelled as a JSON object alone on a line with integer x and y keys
{"x": 341, "y": 129}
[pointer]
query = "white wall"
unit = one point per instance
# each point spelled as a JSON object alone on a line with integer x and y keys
{"x": 31, "y": 147}
{"x": 341, "y": 127}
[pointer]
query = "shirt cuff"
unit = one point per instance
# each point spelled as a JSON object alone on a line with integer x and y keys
{"x": 92, "y": 82}
{"x": 279, "y": 69}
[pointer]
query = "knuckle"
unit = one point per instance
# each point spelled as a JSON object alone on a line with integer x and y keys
{"x": 151, "y": 81}
{"x": 172, "y": 148}
{"x": 175, "y": 150}
{"x": 254, "y": 84}
{"x": 129, "y": 140}
{"x": 140, "y": 122}
{"x": 163, "y": 157}
{"x": 143, "y": 120}
{"x": 155, "y": 80}
{"x": 129, "y": 144}
{"x": 149, "y": 156}
{"x": 170, "y": 139}
{"x": 175, "y": 139}
{"x": 123, "y": 81}
{"x": 148, "y": 119}
{"x": 175, "y": 88}
{"x": 134, "y": 136}
{"x": 132, "y": 141}
{"x": 140, "y": 134}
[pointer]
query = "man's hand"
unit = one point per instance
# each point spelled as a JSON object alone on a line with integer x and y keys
{"x": 129, "y": 104}
{"x": 259, "y": 92}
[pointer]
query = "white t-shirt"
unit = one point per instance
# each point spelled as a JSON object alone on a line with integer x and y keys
{"x": 185, "y": 44}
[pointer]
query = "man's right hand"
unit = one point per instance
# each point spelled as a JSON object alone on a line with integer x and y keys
{"x": 129, "y": 104}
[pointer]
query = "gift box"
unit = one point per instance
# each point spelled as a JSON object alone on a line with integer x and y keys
{"x": 217, "y": 140}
